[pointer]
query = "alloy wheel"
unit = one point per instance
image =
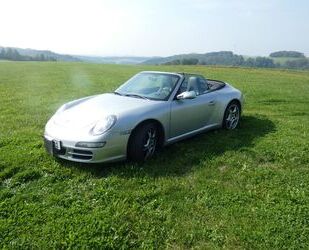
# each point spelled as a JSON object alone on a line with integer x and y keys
{"x": 150, "y": 143}
{"x": 232, "y": 118}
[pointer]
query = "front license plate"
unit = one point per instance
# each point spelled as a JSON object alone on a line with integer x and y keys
{"x": 57, "y": 144}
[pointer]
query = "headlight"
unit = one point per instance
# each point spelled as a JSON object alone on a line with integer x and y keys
{"x": 103, "y": 125}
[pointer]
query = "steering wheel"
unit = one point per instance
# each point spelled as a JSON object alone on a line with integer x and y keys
{"x": 164, "y": 91}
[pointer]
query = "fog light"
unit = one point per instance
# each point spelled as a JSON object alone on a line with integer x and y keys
{"x": 90, "y": 144}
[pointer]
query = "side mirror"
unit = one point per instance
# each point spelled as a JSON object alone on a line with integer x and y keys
{"x": 186, "y": 95}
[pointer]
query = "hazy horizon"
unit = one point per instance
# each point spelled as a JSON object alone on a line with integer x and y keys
{"x": 155, "y": 28}
{"x": 146, "y": 56}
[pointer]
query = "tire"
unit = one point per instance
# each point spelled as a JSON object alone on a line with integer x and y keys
{"x": 231, "y": 116}
{"x": 143, "y": 142}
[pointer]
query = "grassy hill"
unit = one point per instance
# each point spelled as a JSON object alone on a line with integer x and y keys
{"x": 162, "y": 60}
{"x": 211, "y": 57}
{"x": 242, "y": 189}
{"x": 46, "y": 53}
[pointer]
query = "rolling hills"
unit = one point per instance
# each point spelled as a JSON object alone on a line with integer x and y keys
{"x": 47, "y": 53}
{"x": 279, "y": 59}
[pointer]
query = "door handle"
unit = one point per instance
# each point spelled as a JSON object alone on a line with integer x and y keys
{"x": 211, "y": 103}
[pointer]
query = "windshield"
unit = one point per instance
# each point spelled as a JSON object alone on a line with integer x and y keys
{"x": 155, "y": 86}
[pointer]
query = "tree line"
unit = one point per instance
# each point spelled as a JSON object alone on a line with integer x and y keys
{"x": 285, "y": 53}
{"x": 228, "y": 58}
{"x": 14, "y": 55}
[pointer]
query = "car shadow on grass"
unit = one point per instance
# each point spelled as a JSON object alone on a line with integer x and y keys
{"x": 182, "y": 157}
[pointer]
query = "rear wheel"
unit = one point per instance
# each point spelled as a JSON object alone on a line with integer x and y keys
{"x": 143, "y": 142}
{"x": 231, "y": 116}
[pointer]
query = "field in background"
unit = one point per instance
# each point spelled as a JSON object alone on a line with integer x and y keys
{"x": 242, "y": 189}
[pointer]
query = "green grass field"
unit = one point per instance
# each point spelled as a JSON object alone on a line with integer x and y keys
{"x": 248, "y": 188}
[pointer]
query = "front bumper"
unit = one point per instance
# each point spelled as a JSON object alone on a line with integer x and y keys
{"x": 114, "y": 150}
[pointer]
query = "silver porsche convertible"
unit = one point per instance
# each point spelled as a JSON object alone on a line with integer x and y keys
{"x": 150, "y": 110}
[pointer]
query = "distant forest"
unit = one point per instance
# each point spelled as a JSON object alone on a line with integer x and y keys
{"x": 278, "y": 59}
{"x": 292, "y": 59}
{"x": 14, "y": 55}
{"x": 284, "y": 53}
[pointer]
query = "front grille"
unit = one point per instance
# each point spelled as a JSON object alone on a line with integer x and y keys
{"x": 81, "y": 154}
{"x": 79, "y": 151}
{"x": 82, "y": 157}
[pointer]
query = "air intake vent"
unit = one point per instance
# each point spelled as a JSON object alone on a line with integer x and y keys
{"x": 81, "y": 154}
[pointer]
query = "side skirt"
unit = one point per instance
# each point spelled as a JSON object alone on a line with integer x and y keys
{"x": 192, "y": 133}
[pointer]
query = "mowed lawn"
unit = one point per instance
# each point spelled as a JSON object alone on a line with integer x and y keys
{"x": 248, "y": 188}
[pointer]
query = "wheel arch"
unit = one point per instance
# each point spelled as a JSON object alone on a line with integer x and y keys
{"x": 234, "y": 100}
{"x": 237, "y": 101}
{"x": 158, "y": 125}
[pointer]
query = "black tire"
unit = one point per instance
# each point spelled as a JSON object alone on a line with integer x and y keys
{"x": 231, "y": 116}
{"x": 143, "y": 142}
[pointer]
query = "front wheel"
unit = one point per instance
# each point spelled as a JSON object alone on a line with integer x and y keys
{"x": 143, "y": 142}
{"x": 231, "y": 116}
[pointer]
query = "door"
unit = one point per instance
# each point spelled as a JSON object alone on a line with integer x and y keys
{"x": 192, "y": 114}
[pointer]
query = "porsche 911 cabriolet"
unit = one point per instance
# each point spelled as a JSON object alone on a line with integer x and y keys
{"x": 149, "y": 111}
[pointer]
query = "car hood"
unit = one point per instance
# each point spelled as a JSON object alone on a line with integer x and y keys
{"x": 87, "y": 112}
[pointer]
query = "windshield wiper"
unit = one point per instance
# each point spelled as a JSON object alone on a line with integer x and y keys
{"x": 116, "y": 93}
{"x": 136, "y": 95}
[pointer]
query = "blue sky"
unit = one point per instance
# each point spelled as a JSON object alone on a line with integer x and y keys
{"x": 156, "y": 27}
